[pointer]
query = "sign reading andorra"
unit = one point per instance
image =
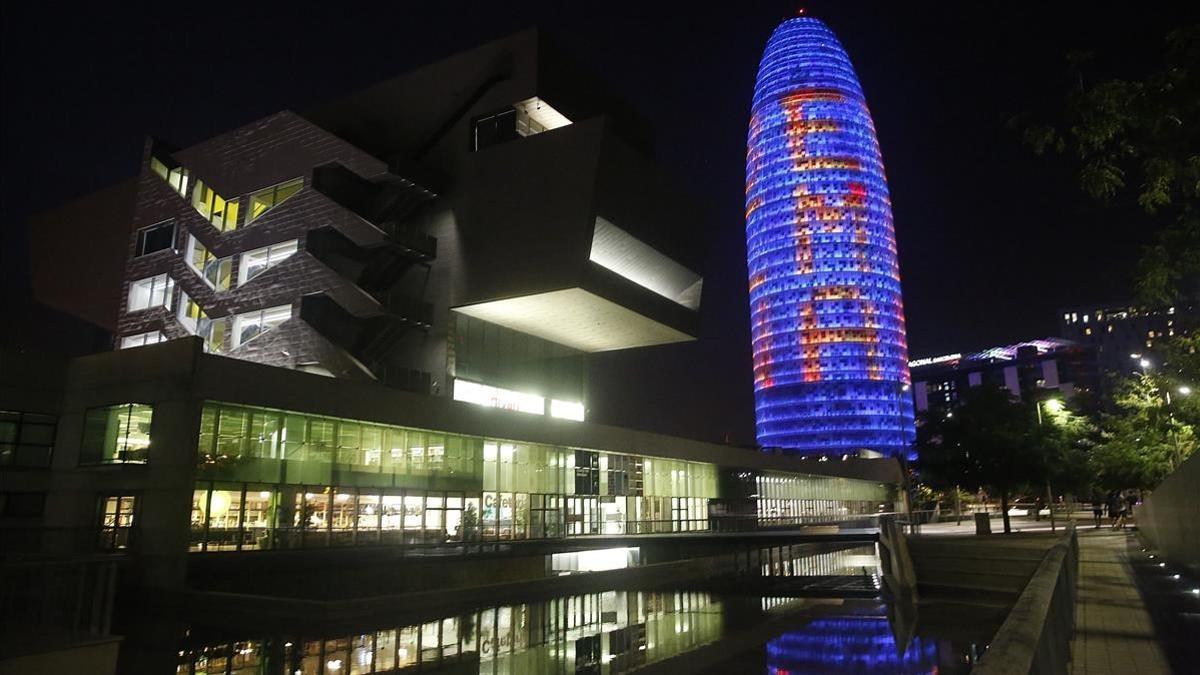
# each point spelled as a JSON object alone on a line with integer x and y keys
{"x": 827, "y": 321}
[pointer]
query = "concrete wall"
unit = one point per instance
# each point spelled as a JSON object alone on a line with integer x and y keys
{"x": 1169, "y": 520}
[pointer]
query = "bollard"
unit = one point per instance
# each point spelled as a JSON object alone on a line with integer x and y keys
{"x": 983, "y": 524}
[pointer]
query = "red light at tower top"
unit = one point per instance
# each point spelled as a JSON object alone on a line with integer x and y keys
{"x": 827, "y": 321}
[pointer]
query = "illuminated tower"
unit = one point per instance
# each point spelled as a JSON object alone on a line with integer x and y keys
{"x": 826, "y": 318}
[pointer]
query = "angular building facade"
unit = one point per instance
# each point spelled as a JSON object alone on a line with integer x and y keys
{"x": 827, "y": 320}
{"x": 365, "y": 328}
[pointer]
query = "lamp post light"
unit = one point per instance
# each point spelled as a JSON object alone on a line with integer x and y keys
{"x": 1053, "y": 405}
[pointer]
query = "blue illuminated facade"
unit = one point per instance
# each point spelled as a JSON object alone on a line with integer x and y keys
{"x": 827, "y": 320}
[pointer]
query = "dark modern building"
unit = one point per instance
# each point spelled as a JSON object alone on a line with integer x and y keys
{"x": 826, "y": 316}
{"x": 1049, "y": 367}
{"x": 365, "y": 327}
{"x": 1122, "y": 335}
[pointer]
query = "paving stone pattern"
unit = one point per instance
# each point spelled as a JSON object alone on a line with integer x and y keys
{"x": 1113, "y": 630}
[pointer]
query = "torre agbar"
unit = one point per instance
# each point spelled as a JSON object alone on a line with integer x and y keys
{"x": 827, "y": 320}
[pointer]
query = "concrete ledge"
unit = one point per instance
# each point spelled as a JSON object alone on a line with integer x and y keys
{"x": 1036, "y": 635}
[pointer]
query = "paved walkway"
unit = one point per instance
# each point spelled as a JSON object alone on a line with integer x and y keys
{"x": 1113, "y": 630}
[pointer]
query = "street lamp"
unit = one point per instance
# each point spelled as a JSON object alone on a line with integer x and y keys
{"x": 1185, "y": 390}
{"x": 1054, "y": 406}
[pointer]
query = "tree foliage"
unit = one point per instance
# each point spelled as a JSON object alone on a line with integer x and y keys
{"x": 1146, "y": 437}
{"x": 1140, "y": 136}
{"x": 990, "y": 441}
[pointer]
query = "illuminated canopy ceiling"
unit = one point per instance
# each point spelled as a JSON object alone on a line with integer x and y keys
{"x": 617, "y": 250}
{"x": 576, "y": 318}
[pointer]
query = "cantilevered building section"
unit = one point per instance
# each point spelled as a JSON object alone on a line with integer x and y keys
{"x": 827, "y": 320}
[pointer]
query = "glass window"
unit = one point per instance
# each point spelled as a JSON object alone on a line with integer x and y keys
{"x": 155, "y": 238}
{"x": 260, "y": 260}
{"x": 26, "y": 439}
{"x": 151, "y": 338}
{"x": 216, "y": 210}
{"x": 155, "y": 291}
{"x": 259, "y": 517}
{"x": 116, "y": 522}
{"x": 22, "y": 504}
{"x": 177, "y": 178}
{"x": 118, "y": 434}
{"x": 250, "y": 325}
{"x": 267, "y": 199}
{"x": 190, "y": 313}
{"x": 216, "y": 272}
{"x": 224, "y": 520}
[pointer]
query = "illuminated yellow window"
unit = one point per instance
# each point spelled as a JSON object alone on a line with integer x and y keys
{"x": 216, "y": 210}
{"x": 264, "y": 200}
{"x": 218, "y": 272}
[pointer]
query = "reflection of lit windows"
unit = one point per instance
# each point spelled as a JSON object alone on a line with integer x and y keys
{"x": 154, "y": 238}
{"x": 177, "y": 178}
{"x": 265, "y": 200}
{"x": 250, "y": 325}
{"x": 116, "y": 434}
{"x": 150, "y": 292}
{"x": 260, "y": 260}
{"x": 152, "y": 338}
{"x": 116, "y": 522}
{"x": 221, "y": 213}
{"x": 217, "y": 272}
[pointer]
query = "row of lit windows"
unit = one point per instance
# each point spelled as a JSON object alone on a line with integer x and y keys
{"x": 220, "y": 212}
{"x": 218, "y": 272}
{"x": 240, "y": 443}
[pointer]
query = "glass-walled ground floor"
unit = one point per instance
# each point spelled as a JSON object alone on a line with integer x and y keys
{"x": 253, "y": 516}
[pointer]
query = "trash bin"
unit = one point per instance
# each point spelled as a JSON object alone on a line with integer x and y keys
{"x": 983, "y": 524}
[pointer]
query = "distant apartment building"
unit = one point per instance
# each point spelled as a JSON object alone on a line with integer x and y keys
{"x": 1124, "y": 334}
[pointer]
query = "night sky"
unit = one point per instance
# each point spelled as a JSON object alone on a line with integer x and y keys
{"x": 992, "y": 239}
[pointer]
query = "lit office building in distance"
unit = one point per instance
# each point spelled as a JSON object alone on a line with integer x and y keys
{"x": 366, "y": 326}
{"x": 1032, "y": 370}
{"x": 827, "y": 320}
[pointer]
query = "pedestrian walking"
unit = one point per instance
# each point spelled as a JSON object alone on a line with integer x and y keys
{"x": 1097, "y": 509}
{"x": 1130, "y": 500}
{"x": 1115, "y": 506}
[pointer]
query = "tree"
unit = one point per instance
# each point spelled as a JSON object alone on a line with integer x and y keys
{"x": 1143, "y": 441}
{"x": 1140, "y": 136}
{"x": 990, "y": 441}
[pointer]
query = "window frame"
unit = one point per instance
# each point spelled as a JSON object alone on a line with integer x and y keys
{"x": 209, "y": 258}
{"x": 145, "y": 339}
{"x": 140, "y": 242}
{"x": 236, "y": 340}
{"x": 168, "y": 293}
{"x": 120, "y": 446}
{"x": 275, "y": 200}
{"x": 18, "y": 440}
{"x": 109, "y": 542}
{"x": 244, "y": 275}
